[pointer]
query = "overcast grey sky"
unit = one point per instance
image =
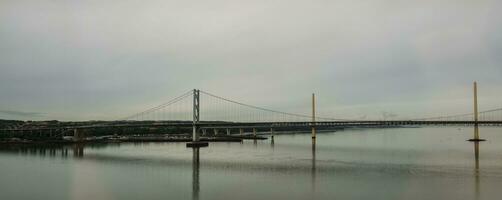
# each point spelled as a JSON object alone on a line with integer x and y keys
{"x": 105, "y": 59}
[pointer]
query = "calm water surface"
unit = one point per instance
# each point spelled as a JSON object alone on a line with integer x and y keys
{"x": 401, "y": 163}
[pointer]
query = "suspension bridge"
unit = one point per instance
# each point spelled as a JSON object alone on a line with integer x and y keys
{"x": 206, "y": 113}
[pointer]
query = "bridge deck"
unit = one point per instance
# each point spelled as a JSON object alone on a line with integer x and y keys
{"x": 245, "y": 125}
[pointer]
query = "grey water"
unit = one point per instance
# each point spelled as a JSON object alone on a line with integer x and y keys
{"x": 394, "y": 163}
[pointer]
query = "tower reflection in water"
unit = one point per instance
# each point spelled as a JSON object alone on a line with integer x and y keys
{"x": 476, "y": 170}
{"x": 313, "y": 169}
{"x": 195, "y": 173}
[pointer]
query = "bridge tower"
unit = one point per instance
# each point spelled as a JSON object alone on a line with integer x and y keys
{"x": 313, "y": 117}
{"x": 476, "y": 115}
{"x": 196, "y": 118}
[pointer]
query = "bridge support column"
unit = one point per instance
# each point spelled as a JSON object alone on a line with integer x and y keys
{"x": 204, "y": 131}
{"x": 241, "y": 131}
{"x": 228, "y": 131}
{"x": 254, "y": 132}
{"x": 78, "y": 135}
{"x": 215, "y": 131}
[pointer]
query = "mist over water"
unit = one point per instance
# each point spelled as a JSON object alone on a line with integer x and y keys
{"x": 397, "y": 163}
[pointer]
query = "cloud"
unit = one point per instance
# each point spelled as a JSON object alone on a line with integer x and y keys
{"x": 78, "y": 60}
{"x": 21, "y": 113}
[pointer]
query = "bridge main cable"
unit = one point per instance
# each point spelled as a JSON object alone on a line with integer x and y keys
{"x": 173, "y": 101}
{"x": 307, "y": 117}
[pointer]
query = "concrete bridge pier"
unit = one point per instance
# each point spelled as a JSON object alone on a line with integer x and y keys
{"x": 476, "y": 135}
{"x": 78, "y": 135}
{"x": 476, "y": 132}
{"x": 204, "y": 131}
{"x": 254, "y": 132}
{"x": 215, "y": 131}
{"x": 228, "y": 131}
